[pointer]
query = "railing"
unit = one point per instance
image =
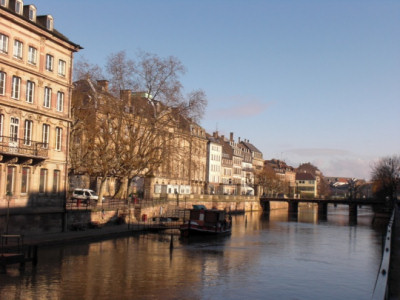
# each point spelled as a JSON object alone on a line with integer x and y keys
{"x": 381, "y": 285}
{"x": 11, "y": 145}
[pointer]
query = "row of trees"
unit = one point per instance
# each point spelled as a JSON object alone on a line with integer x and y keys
{"x": 132, "y": 127}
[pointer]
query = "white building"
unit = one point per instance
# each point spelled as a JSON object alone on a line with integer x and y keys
{"x": 214, "y": 165}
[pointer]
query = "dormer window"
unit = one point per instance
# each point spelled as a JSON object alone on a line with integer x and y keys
{"x": 49, "y": 23}
{"x": 18, "y": 7}
{"x": 4, "y": 3}
{"x": 30, "y": 12}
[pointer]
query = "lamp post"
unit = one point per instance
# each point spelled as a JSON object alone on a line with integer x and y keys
{"x": 8, "y": 196}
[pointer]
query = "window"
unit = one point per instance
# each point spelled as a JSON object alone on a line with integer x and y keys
{"x": 58, "y": 138}
{"x": 32, "y": 55}
{"x": 2, "y": 83}
{"x": 1, "y": 126}
{"x": 3, "y": 43}
{"x": 4, "y": 3}
{"x": 56, "y": 181}
{"x": 32, "y": 13}
{"x": 14, "y": 128}
{"x": 28, "y": 132}
{"x": 18, "y": 7}
{"x": 10, "y": 180}
{"x": 30, "y": 91}
{"x": 45, "y": 135}
{"x": 60, "y": 101}
{"x": 26, "y": 173}
{"x": 16, "y": 87}
{"x": 18, "y": 49}
{"x": 49, "y": 23}
{"x": 43, "y": 181}
{"x": 49, "y": 62}
{"x": 47, "y": 97}
{"x": 61, "y": 67}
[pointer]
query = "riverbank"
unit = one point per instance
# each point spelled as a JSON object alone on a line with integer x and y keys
{"x": 89, "y": 234}
{"x": 394, "y": 272}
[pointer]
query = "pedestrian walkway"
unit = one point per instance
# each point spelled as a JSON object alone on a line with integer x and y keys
{"x": 394, "y": 273}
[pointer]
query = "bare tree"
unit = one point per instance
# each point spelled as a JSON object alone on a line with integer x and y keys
{"x": 83, "y": 69}
{"x": 269, "y": 181}
{"x": 386, "y": 177}
{"x": 135, "y": 134}
{"x": 121, "y": 72}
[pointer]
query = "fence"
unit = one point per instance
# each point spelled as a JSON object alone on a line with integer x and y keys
{"x": 381, "y": 285}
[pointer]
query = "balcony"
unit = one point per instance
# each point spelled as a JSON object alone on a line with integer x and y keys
{"x": 22, "y": 151}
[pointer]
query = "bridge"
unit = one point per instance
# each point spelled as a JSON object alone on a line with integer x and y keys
{"x": 293, "y": 205}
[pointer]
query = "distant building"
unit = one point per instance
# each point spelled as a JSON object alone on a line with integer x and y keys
{"x": 214, "y": 164}
{"x": 35, "y": 94}
{"x": 306, "y": 185}
{"x": 285, "y": 172}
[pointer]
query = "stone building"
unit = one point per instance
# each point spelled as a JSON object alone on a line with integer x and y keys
{"x": 142, "y": 142}
{"x": 35, "y": 91}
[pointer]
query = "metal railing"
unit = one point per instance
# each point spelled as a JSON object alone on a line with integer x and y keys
{"x": 27, "y": 147}
{"x": 381, "y": 290}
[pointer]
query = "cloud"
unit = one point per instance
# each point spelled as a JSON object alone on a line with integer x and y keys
{"x": 239, "y": 109}
{"x": 333, "y": 162}
{"x": 318, "y": 152}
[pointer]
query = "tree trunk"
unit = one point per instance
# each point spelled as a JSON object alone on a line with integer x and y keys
{"x": 123, "y": 188}
{"x": 101, "y": 189}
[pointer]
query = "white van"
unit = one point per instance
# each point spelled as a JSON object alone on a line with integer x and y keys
{"x": 85, "y": 194}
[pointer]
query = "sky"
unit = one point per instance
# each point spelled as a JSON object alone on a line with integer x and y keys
{"x": 303, "y": 80}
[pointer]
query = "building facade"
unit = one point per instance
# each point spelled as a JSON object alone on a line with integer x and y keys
{"x": 35, "y": 92}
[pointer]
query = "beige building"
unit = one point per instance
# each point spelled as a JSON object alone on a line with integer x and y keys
{"x": 35, "y": 92}
{"x": 306, "y": 185}
{"x": 184, "y": 169}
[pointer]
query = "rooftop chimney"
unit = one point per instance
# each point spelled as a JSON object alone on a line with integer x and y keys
{"x": 125, "y": 95}
{"x": 231, "y": 137}
{"x": 103, "y": 84}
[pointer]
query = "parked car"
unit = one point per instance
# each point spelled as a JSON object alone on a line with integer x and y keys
{"x": 85, "y": 195}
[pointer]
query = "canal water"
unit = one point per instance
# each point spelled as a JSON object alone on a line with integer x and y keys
{"x": 266, "y": 257}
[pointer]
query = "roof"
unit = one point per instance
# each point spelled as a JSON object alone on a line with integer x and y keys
{"x": 250, "y": 146}
{"x": 304, "y": 176}
{"x": 54, "y": 32}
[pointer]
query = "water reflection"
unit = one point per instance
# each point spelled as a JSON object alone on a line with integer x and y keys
{"x": 268, "y": 256}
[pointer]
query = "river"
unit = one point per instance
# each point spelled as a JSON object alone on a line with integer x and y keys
{"x": 266, "y": 257}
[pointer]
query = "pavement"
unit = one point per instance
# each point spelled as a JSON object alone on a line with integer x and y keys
{"x": 394, "y": 272}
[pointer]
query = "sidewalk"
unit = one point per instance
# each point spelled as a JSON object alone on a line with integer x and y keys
{"x": 394, "y": 273}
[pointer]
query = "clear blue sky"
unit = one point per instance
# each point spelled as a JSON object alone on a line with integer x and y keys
{"x": 304, "y": 80}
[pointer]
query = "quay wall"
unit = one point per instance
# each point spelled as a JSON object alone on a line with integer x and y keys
{"x": 33, "y": 221}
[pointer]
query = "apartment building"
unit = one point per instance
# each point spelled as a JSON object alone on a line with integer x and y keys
{"x": 214, "y": 164}
{"x": 35, "y": 91}
{"x": 306, "y": 185}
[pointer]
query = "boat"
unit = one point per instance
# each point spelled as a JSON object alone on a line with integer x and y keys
{"x": 203, "y": 221}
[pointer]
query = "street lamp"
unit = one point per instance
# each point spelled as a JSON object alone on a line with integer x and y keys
{"x": 8, "y": 196}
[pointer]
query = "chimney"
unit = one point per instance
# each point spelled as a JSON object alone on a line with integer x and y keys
{"x": 239, "y": 139}
{"x": 215, "y": 134}
{"x": 125, "y": 95}
{"x": 103, "y": 84}
{"x": 231, "y": 137}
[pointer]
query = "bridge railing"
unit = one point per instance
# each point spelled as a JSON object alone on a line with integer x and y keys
{"x": 381, "y": 285}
